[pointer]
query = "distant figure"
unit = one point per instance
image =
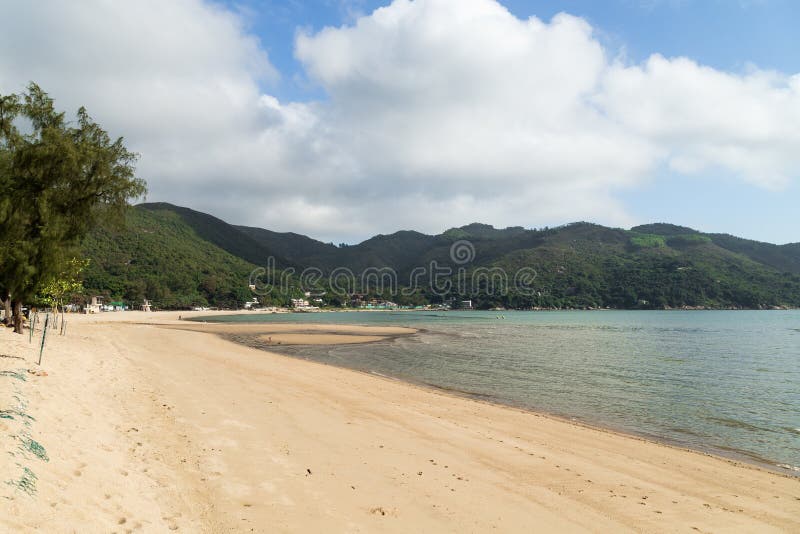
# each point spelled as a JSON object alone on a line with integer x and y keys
{"x": 179, "y": 317}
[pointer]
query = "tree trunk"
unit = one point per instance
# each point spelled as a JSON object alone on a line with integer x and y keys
{"x": 17, "y": 305}
{"x": 7, "y": 306}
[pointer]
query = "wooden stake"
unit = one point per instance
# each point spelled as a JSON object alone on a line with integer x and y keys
{"x": 44, "y": 335}
{"x": 31, "y": 325}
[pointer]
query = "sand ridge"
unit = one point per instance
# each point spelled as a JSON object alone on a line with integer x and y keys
{"x": 273, "y": 334}
{"x": 178, "y": 429}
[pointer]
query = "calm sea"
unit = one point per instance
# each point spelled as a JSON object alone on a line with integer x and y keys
{"x": 726, "y": 382}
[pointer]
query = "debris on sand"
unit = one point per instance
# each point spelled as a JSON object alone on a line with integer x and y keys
{"x": 26, "y": 482}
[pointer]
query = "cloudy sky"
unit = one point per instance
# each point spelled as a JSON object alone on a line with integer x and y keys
{"x": 342, "y": 119}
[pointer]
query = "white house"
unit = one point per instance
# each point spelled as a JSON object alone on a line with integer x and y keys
{"x": 96, "y": 306}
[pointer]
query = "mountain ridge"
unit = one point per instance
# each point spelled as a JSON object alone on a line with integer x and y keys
{"x": 581, "y": 264}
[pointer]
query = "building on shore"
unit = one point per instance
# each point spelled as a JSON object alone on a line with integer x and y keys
{"x": 95, "y": 305}
{"x": 299, "y": 303}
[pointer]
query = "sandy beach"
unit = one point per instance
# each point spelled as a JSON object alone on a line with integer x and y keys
{"x": 139, "y": 422}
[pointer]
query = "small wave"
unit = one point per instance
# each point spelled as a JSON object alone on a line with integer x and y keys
{"x": 735, "y": 423}
{"x": 682, "y": 330}
{"x": 461, "y": 391}
{"x": 470, "y": 335}
{"x": 686, "y": 431}
{"x": 794, "y": 468}
{"x": 376, "y": 373}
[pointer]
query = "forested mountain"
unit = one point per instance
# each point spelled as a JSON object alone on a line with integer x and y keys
{"x": 158, "y": 256}
{"x": 218, "y": 232}
{"x": 293, "y": 247}
{"x": 781, "y": 257}
{"x": 179, "y": 257}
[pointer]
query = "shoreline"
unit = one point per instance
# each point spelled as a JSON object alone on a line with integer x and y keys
{"x": 164, "y": 428}
{"x": 735, "y": 456}
{"x": 289, "y": 311}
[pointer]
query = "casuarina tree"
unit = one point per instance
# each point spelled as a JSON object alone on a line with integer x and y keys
{"x": 57, "y": 180}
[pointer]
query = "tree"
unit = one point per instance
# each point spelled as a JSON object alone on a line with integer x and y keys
{"x": 9, "y": 108}
{"x": 67, "y": 282}
{"x": 58, "y": 179}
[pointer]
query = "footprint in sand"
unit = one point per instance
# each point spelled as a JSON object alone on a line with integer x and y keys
{"x": 78, "y": 472}
{"x": 380, "y": 510}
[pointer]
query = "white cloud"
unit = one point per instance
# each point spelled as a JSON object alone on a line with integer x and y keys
{"x": 448, "y": 100}
{"x": 748, "y": 125}
{"x": 438, "y": 112}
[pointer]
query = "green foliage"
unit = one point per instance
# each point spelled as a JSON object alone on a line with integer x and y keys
{"x": 163, "y": 256}
{"x": 663, "y": 229}
{"x": 159, "y": 257}
{"x": 58, "y": 179}
{"x": 63, "y": 284}
{"x": 585, "y": 274}
{"x": 688, "y": 240}
{"x": 456, "y": 233}
{"x": 781, "y": 257}
{"x": 218, "y": 232}
{"x": 648, "y": 241}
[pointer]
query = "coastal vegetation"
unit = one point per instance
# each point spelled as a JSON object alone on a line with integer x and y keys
{"x": 58, "y": 180}
{"x": 157, "y": 256}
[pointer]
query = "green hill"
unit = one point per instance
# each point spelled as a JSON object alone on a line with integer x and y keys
{"x": 160, "y": 257}
{"x": 629, "y": 269}
{"x": 218, "y": 232}
{"x": 179, "y": 257}
{"x": 293, "y": 247}
{"x": 781, "y": 257}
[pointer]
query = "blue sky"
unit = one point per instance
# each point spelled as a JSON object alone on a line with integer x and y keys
{"x": 725, "y": 34}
